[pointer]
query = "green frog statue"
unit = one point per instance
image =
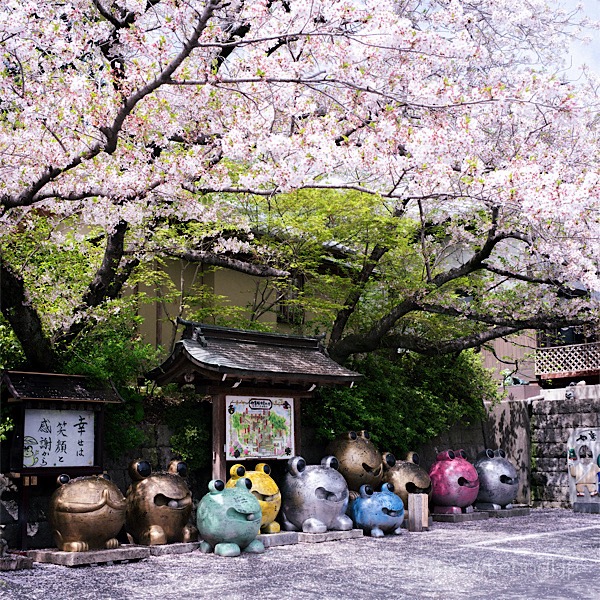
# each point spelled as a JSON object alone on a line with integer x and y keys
{"x": 229, "y": 519}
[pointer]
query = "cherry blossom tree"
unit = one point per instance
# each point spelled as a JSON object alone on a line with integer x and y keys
{"x": 120, "y": 118}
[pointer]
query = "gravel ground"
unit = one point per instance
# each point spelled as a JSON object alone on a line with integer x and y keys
{"x": 550, "y": 554}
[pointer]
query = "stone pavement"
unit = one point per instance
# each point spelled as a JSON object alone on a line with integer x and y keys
{"x": 550, "y": 554}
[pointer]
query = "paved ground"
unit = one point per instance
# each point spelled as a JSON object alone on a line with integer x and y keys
{"x": 551, "y": 554}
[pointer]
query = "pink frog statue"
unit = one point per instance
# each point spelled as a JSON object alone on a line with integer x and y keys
{"x": 454, "y": 482}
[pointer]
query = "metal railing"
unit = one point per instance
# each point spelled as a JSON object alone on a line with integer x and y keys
{"x": 577, "y": 359}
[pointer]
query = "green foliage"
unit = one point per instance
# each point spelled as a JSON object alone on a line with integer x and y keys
{"x": 11, "y": 353}
{"x": 190, "y": 420}
{"x": 6, "y": 425}
{"x": 405, "y": 402}
{"x": 113, "y": 351}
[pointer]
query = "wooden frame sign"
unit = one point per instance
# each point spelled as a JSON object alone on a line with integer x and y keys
{"x": 58, "y": 438}
{"x": 259, "y": 427}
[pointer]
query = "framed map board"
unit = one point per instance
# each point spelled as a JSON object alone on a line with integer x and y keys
{"x": 259, "y": 427}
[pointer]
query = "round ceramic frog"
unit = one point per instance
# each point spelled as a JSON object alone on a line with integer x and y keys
{"x": 360, "y": 461}
{"x": 407, "y": 477}
{"x": 454, "y": 483}
{"x": 229, "y": 519}
{"x": 159, "y": 505}
{"x": 264, "y": 489}
{"x": 314, "y": 497}
{"x": 86, "y": 513}
{"x": 498, "y": 480}
{"x": 377, "y": 513}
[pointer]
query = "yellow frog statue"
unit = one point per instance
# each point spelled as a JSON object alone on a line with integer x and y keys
{"x": 264, "y": 489}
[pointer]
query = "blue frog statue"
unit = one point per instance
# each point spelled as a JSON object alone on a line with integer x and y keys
{"x": 314, "y": 498}
{"x": 377, "y": 513}
{"x": 228, "y": 519}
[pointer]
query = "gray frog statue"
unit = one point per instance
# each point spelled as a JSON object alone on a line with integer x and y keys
{"x": 229, "y": 519}
{"x": 314, "y": 498}
{"x": 498, "y": 480}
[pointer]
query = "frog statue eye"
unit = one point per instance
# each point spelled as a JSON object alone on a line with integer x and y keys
{"x": 244, "y": 483}
{"x": 63, "y": 479}
{"x": 446, "y": 455}
{"x": 178, "y": 467}
{"x": 413, "y": 457}
{"x": 389, "y": 459}
{"x": 387, "y": 486}
{"x": 139, "y": 469}
{"x": 489, "y": 453}
{"x": 366, "y": 491}
{"x": 365, "y": 434}
{"x": 461, "y": 454}
{"x": 264, "y": 468}
{"x": 500, "y": 453}
{"x": 296, "y": 465}
{"x": 216, "y": 486}
{"x": 352, "y": 435}
{"x": 330, "y": 461}
{"x": 237, "y": 470}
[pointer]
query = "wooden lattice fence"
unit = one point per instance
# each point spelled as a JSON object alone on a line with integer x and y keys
{"x": 567, "y": 360}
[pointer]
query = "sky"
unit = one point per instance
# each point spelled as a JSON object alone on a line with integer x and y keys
{"x": 589, "y": 53}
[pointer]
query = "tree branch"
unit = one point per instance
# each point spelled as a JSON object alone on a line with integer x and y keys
{"x": 25, "y": 320}
{"x": 227, "y": 262}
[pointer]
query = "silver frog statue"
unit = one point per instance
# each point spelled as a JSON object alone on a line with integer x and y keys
{"x": 498, "y": 480}
{"x": 314, "y": 498}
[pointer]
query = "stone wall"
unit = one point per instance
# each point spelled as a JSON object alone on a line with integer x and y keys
{"x": 553, "y": 418}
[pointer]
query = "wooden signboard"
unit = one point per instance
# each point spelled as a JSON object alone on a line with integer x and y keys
{"x": 58, "y": 438}
{"x": 259, "y": 427}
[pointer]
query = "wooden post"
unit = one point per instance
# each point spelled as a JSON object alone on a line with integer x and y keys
{"x": 23, "y": 512}
{"x": 219, "y": 470}
{"x": 418, "y": 512}
{"x": 297, "y": 427}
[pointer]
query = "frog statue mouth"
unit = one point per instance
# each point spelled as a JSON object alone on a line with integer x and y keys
{"x": 507, "y": 480}
{"x": 88, "y": 507}
{"x": 413, "y": 488}
{"x": 266, "y": 498}
{"x": 391, "y": 513}
{"x": 466, "y": 483}
{"x": 237, "y": 515}
{"x": 322, "y": 494}
{"x": 377, "y": 471}
{"x": 173, "y": 503}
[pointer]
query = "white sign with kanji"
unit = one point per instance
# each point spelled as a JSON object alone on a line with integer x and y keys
{"x": 58, "y": 438}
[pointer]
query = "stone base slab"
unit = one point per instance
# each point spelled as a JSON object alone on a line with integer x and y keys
{"x": 175, "y": 548}
{"x": 509, "y": 512}
{"x": 283, "y": 538}
{"x": 460, "y": 517}
{"x": 15, "y": 562}
{"x": 122, "y": 554}
{"x": 586, "y": 507}
{"x": 329, "y": 536}
{"x": 429, "y": 523}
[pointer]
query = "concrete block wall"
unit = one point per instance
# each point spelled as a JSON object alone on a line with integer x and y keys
{"x": 505, "y": 426}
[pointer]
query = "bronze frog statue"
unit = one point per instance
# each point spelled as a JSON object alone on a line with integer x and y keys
{"x": 159, "y": 505}
{"x": 407, "y": 477}
{"x": 86, "y": 513}
{"x": 359, "y": 460}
